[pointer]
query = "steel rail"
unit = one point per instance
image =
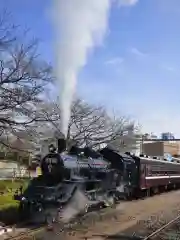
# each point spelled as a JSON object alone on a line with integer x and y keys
{"x": 25, "y": 233}
{"x": 134, "y": 237}
{"x": 44, "y": 227}
{"x": 17, "y": 226}
{"x": 155, "y": 233}
{"x": 150, "y": 236}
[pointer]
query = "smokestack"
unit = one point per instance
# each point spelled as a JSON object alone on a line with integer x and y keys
{"x": 61, "y": 143}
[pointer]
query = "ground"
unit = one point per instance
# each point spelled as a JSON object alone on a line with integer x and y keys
{"x": 141, "y": 217}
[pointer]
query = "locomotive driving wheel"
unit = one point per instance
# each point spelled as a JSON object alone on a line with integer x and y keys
{"x": 50, "y": 220}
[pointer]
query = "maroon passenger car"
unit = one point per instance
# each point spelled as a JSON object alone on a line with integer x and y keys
{"x": 155, "y": 173}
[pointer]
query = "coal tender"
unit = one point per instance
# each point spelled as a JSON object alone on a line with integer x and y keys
{"x": 72, "y": 182}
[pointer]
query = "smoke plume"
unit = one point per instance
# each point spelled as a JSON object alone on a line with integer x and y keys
{"x": 80, "y": 25}
{"x": 127, "y": 2}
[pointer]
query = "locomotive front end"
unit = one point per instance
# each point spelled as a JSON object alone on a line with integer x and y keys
{"x": 45, "y": 192}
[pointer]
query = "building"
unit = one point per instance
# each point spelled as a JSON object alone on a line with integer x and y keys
{"x": 167, "y": 135}
{"x": 153, "y": 136}
{"x": 148, "y": 136}
{"x": 161, "y": 148}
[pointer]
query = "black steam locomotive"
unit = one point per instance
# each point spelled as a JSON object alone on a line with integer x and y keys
{"x": 71, "y": 183}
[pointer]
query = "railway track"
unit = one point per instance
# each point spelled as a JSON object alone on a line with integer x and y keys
{"x": 126, "y": 215}
{"x": 164, "y": 227}
{"x": 13, "y": 231}
{"x": 31, "y": 233}
{"x": 17, "y": 232}
{"x": 152, "y": 236}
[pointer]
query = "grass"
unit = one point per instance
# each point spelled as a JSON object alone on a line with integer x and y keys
{"x": 8, "y": 188}
{"x": 7, "y": 201}
{"x": 8, "y": 185}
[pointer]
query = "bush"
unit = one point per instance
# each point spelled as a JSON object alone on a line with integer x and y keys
{"x": 8, "y": 209}
{"x": 7, "y": 201}
{"x": 9, "y": 206}
{"x": 9, "y": 215}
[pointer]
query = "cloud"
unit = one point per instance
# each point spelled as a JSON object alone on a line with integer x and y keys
{"x": 124, "y": 3}
{"x": 115, "y": 61}
{"x": 137, "y": 52}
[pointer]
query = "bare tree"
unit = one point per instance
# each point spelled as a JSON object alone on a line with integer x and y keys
{"x": 129, "y": 140}
{"x": 23, "y": 77}
{"x": 89, "y": 125}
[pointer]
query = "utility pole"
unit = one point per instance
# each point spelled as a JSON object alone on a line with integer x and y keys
{"x": 142, "y": 142}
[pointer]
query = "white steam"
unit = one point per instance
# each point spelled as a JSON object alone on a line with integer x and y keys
{"x": 80, "y": 25}
{"x": 127, "y": 2}
{"x": 75, "y": 206}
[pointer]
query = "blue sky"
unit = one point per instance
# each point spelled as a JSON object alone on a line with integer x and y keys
{"x": 136, "y": 71}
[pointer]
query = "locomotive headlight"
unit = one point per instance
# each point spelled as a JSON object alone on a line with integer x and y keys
{"x": 51, "y": 149}
{"x": 23, "y": 198}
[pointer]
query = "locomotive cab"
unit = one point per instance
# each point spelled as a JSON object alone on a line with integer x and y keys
{"x": 131, "y": 173}
{"x": 126, "y": 168}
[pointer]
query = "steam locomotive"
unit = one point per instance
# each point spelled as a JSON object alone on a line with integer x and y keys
{"x": 71, "y": 183}
{"x": 74, "y": 182}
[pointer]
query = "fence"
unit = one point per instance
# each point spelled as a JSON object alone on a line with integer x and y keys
{"x": 15, "y": 156}
{"x": 14, "y": 173}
